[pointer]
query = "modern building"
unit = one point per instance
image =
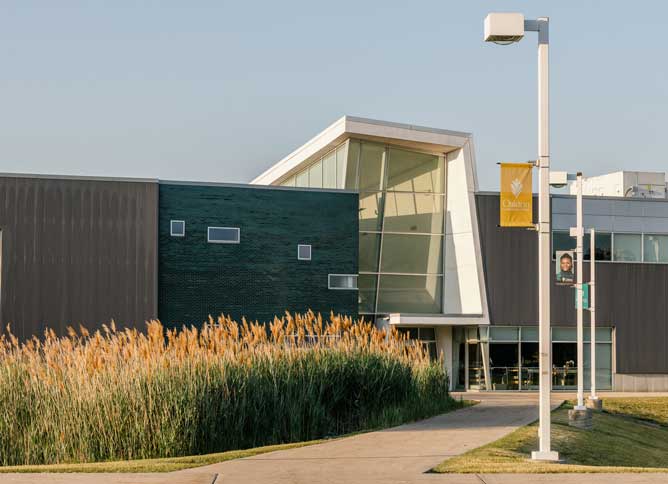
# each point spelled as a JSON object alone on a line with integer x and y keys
{"x": 77, "y": 250}
{"x": 434, "y": 263}
{"x": 373, "y": 219}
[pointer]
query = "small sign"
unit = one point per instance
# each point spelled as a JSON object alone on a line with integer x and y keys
{"x": 585, "y": 296}
{"x": 516, "y": 197}
{"x": 565, "y": 270}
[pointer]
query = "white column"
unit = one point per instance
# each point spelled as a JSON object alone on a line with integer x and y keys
{"x": 592, "y": 312}
{"x": 444, "y": 347}
{"x": 578, "y": 291}
{"x": 544, "y": 259}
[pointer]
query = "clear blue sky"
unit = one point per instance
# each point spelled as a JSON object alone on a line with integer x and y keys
{"x": 221, "y": 90}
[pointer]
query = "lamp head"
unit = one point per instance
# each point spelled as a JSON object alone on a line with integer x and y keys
{"x": 504, "y": 28}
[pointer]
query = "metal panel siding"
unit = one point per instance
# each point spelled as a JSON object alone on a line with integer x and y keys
{"x": 631, "y": 297}
{"x": 261, "y": 276}
{"x": 77, "y": 252}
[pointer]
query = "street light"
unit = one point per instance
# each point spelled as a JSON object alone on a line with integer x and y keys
{"x": 506, "y": 28}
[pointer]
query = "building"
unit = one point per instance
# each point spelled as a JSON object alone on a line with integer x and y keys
{"x": 77, "y": 250}
{"x": 636, "y": 184}
{"x": 376, "y": 219}
{"x": 434, "y": 263}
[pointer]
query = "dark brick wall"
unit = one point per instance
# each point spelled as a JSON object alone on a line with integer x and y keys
{"x": 260, "y": 276}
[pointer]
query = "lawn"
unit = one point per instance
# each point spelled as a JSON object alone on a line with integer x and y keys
{"x": 167, "y": 464}
{"x": 631, "y": 435}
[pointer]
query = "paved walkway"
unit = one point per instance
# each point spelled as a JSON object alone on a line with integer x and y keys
{"x": 399, "y": 455}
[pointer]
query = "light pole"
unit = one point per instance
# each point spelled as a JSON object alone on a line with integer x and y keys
{"x": 579, "y": 236}
{"x": 505, "y": 28}
{"x": 592, "y": 315}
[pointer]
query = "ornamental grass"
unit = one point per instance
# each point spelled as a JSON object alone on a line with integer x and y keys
{"x": 128, "y": 394}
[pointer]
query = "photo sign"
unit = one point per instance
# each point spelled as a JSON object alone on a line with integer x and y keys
{"x": 516, "y": 200}
{"x": 565, "y": 267}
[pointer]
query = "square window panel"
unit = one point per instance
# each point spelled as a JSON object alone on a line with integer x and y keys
{"x": 177, "y": 228}
{"x": 303, "y": 252}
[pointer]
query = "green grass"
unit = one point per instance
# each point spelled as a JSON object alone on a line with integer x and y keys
{"x": 631, "y": 435}
{"x": 167, "y": 464}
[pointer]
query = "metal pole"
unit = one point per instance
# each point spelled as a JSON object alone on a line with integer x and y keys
{"x": 578, "y": 288}
{"x": 544, "y": 452}
{"x": 592, "y": 312}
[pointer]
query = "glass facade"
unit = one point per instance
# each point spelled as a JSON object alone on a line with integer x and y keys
{"x": 618, "y": 247}
{"x": 401, "y": 221}
{"x": 506, "y": 358}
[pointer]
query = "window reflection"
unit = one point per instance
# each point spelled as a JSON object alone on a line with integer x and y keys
{"x": 414, "y": 212}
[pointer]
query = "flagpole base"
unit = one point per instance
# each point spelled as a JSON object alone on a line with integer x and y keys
{"x": 550, "y": 455}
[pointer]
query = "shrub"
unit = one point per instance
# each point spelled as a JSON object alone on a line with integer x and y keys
{"x": 127, "y": 394}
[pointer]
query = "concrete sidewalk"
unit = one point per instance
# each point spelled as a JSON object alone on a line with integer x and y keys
{"x": 398, "y": 455}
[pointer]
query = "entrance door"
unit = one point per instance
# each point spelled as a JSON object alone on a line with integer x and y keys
{"x": 474, "y": 368}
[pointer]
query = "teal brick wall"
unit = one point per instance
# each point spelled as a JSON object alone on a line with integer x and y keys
{"x": 260, "y": 276}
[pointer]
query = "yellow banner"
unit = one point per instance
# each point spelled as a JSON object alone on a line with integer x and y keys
{"x": 516, "y": 195}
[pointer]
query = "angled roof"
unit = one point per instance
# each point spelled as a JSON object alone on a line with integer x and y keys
{"x": 406, "y": 135}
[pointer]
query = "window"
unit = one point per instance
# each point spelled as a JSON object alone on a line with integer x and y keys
{"x": 223, "y": 235}
{"x": 342, "y": 281}
{"x": 177, "y": 228}
{"x": 627, "y": 247}
{"x": 656, "y": 248}
{"x": 562, "y": 240}
{"x": 303, "y": 252}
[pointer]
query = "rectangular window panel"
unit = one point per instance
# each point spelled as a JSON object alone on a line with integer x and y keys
{"x": 329, "y": 170}
{"x": 341, "y": 157}
{"x": 410, "y": 294}
{"x": 414, "y": 212}
{"x": 562, "y": 241}
{"x": 367, "y": 292}
{"x": 304, "y": 252}
{"x": 370, "y": 211}
{"x": 529, "y": 333}
{"x": 177, "y": 228}
{"x": 564, "y": 334}
{"x": 301, "y": 180}
{"x": 412, "y": 254}
{"x": 627, "y": 248}
{"x": 409, "y": 171}
{"x": 371, "y": 166}
{"x": 656, "y": 248}
{"x": 603, "y": 247}
{"x": 348, "y": 167}
{"x": 315, "y": 175}
{"x": 342, "y": 281}
{"x": 499, "y": 333}
{"x": 223, "y": 235}
{"x": 369, "y": 247}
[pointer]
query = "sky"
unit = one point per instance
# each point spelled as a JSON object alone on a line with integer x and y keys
{"x": 221, "y": 90}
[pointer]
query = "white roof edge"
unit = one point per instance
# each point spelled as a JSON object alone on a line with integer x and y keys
{"x": 348, "y": 126}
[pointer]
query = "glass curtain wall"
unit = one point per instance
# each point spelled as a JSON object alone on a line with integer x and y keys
{"x": 401, "y": 217}
{"x": 513, "y": 358}
{"x": 401, "y": 221}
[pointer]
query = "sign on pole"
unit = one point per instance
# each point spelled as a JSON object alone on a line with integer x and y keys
{"x": 565, "y": 270}
{"x": 516, "y": 195}
{"x": 585, "y": 296}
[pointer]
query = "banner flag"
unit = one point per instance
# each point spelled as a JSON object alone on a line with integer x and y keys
{"x": 516, "y": 195}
